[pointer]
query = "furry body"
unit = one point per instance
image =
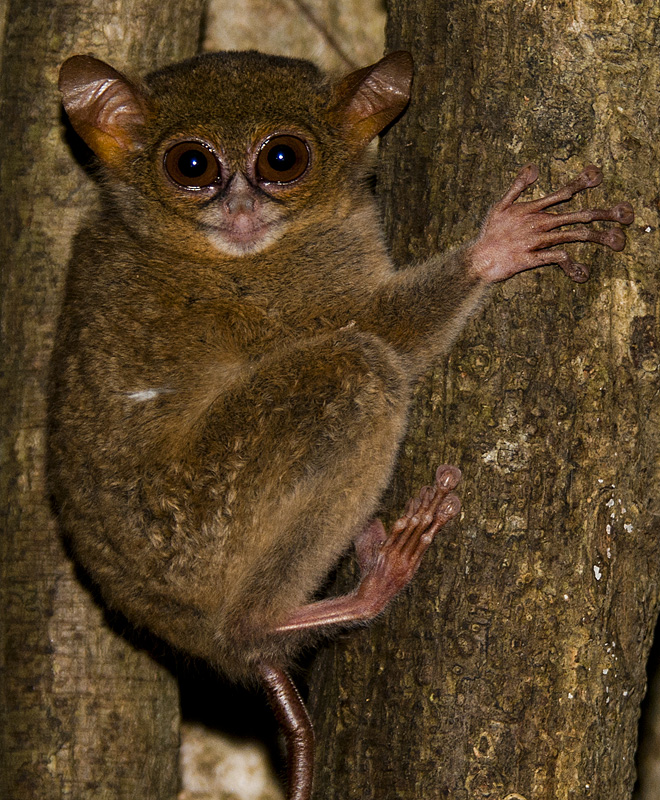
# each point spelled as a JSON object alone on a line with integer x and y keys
{"x": 235, "y": 360}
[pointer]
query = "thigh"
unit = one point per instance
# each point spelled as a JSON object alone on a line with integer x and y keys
{"x": 302, "y": 451}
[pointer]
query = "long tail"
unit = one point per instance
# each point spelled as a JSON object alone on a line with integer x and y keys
{"x": 293, "y": 718}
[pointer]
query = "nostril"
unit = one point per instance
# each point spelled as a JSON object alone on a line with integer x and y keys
{"x": 239, "y": 198}
{"x": 239, "y": 203}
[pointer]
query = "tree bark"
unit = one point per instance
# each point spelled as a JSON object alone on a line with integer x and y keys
{"x": 83, "y": 713}
{"x": 514, "y": 668}
{"x": 338, "y": 35}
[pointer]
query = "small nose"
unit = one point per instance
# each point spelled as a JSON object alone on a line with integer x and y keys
{"x": 239, "y": 196}
{"x": 237, "y": 203}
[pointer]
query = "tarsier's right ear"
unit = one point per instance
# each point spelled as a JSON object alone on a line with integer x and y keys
{"x": 106, "y": 110}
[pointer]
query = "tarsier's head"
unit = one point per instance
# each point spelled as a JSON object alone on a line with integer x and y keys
{"x": 232, "y": 148}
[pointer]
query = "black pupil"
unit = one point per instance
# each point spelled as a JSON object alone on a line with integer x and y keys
{"x": 193, "y": 164}
{"x": 282, "y": 157}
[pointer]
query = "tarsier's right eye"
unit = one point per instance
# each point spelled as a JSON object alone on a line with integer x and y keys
{"x": 192, "y": 165}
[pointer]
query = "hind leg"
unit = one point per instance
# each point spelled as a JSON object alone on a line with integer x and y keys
{"x": 387, "y": 562}
{"x": 284, "y": 471}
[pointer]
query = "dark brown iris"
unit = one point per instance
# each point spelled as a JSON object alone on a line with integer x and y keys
{"x": 192, "y": 165}
{"x": 282, "y": 159}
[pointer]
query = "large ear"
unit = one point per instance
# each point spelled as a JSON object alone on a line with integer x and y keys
{"x": 105, "y": 109}
{"x": 370, "y": 98}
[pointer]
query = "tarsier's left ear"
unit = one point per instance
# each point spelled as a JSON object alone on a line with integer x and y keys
{"x": 106, "y": 110}
{"x": 370, "y": 98}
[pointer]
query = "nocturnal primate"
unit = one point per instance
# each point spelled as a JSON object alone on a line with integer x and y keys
{"x": 236, "y": 354}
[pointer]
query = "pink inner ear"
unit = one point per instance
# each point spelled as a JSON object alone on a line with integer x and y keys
{"x": 116, "y": 109}
{"x": 105, "y": 109}
{"x": 370, "y": 98}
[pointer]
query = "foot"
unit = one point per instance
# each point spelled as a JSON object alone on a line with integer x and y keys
{"x": 518, "y": 236}
{"x": 388, "y": 562}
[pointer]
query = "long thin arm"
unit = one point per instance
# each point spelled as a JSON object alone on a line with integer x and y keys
{"x": 421, "y": 309}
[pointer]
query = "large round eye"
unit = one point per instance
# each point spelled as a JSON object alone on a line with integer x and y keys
{"x": 192, "y": 165}
{"x": 282, "y": 159}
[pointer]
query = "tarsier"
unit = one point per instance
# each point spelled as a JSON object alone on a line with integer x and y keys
{"x": 236, "y": 354}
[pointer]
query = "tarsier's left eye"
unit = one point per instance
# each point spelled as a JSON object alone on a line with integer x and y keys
{"x": 282, "y": 159}
{"x": 192, "y": 165}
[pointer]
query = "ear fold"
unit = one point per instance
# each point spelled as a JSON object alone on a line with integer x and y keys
{"x": 105, "y": 109}
{"x": 370, "y": 98}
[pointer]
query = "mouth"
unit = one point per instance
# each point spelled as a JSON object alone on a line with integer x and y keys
{"x": 244, "y": 231}
{"x": 241, "y": 237}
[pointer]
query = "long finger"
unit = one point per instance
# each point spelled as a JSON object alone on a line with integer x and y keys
{"x": 526, "y": 177}
{"x": 613, "y": 238}
{"x": 589, "y": 177}
{"x": 446, "y": 511}
{"x": 575, "y": 271}
{"x": 623, "y": 213}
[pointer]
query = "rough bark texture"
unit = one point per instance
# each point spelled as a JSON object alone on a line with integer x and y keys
{"x": 83, "y": 712}
{"x": 335, "y": 34}
{"x": 514, "y": 668}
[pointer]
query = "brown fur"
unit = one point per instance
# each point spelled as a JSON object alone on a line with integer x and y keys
{"x": 223, "y": 425}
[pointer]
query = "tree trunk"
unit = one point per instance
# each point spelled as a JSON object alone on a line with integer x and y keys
{"x": 514, "y": 668}
{"x": 84, "y": 714}
{"x": 338, "y": 35}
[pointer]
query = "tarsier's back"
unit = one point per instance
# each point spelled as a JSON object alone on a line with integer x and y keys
{"x": 236, "y": 354}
